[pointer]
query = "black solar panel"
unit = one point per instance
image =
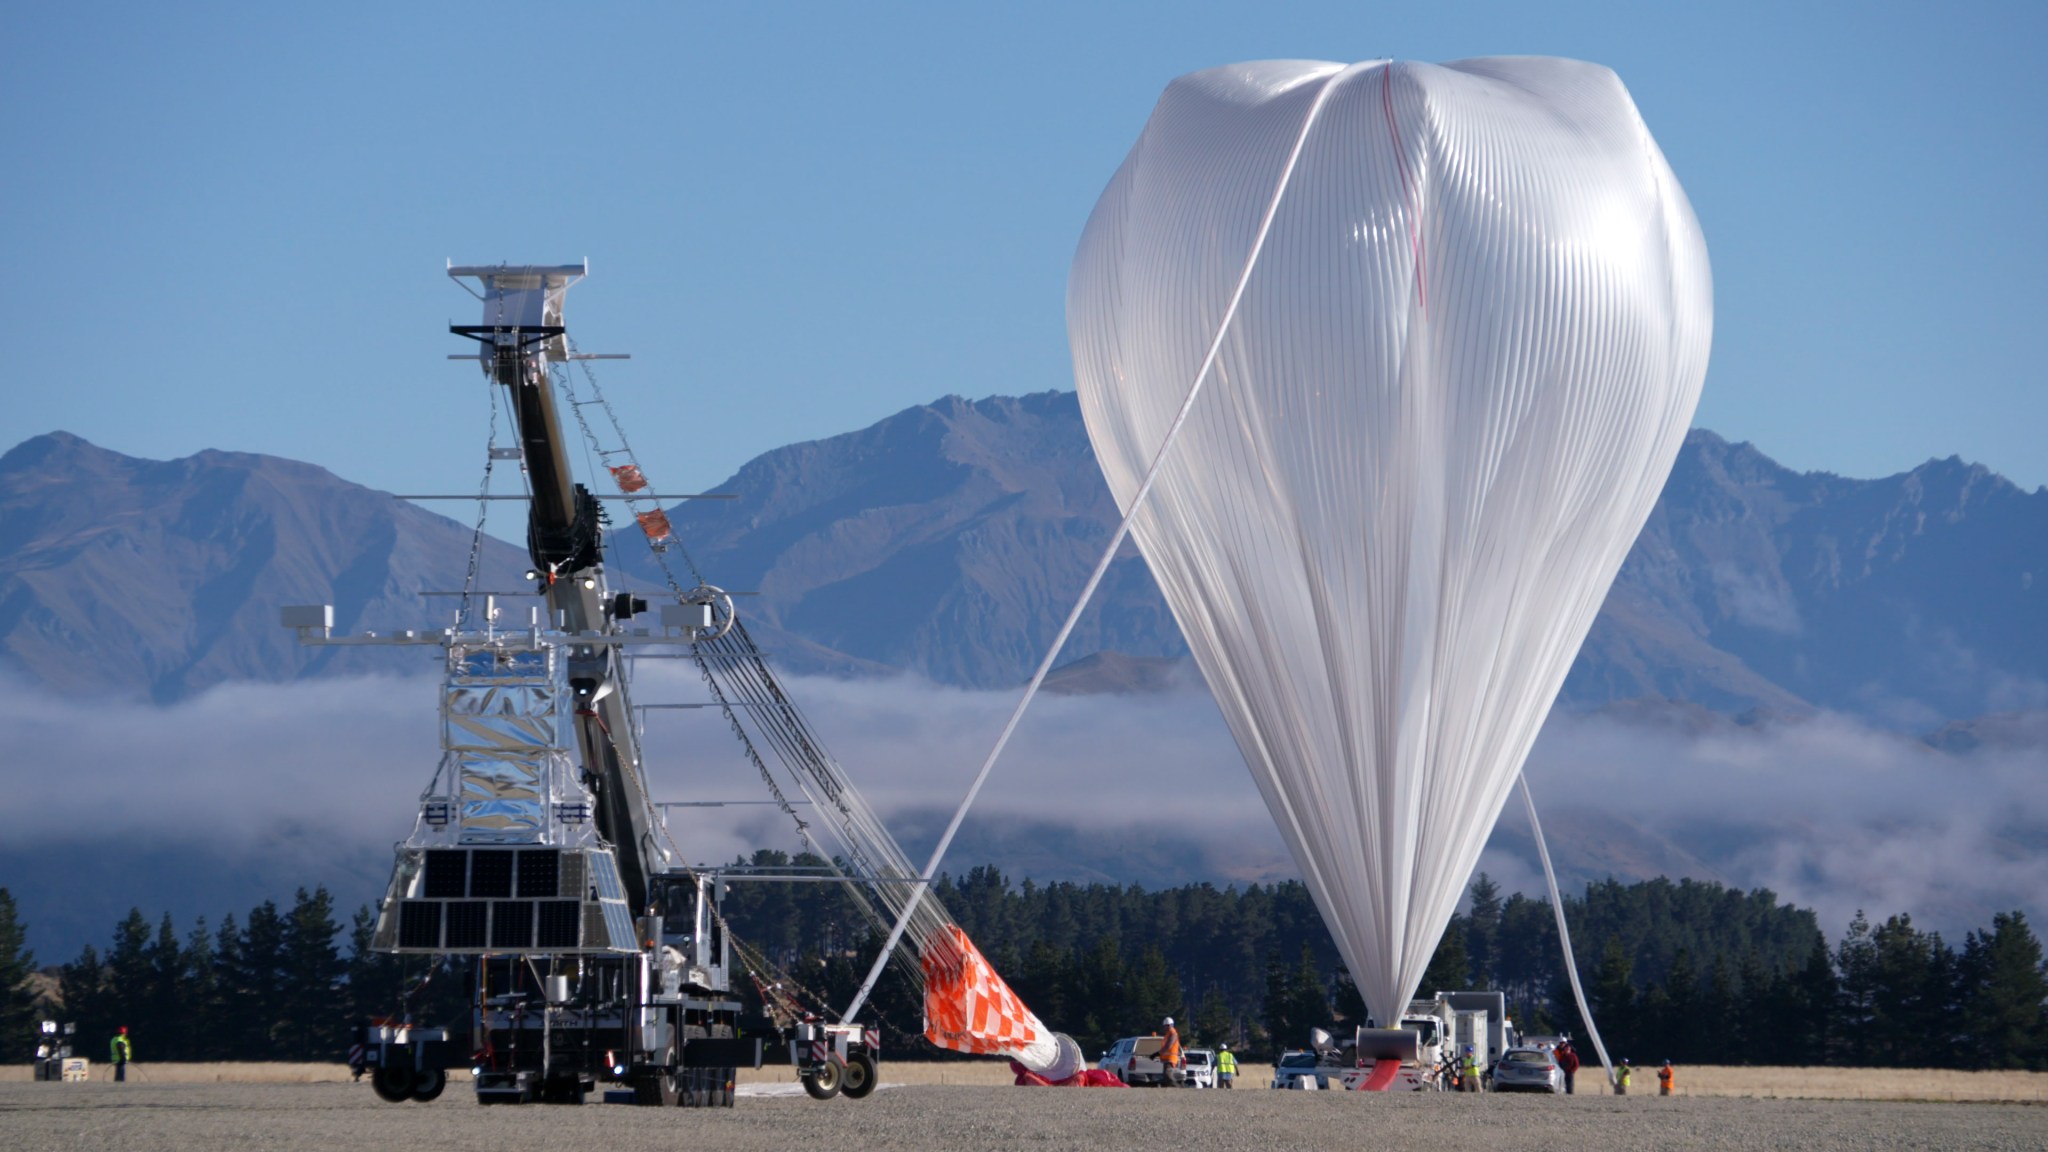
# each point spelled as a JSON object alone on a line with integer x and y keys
{"x": 558, "y": 922}
{"x": 419, "y": 924}
{"x": 466, "y": 924}
{"x": 512, "y": 924}
{"x": 447, "y": 874}
{"x": 490, "y": 873}
{"x": 540, "y": 871}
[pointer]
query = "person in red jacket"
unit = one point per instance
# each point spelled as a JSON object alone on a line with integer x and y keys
{"x": 1568, "y": 1060}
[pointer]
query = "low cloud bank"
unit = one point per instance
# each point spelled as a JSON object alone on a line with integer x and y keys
{"x": 1826, "y": 812}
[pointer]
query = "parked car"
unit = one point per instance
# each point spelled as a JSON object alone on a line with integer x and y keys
{"x": 1198, "y": 1067}
{"x": 1135, "y": 1060}
{"x": 1303, "y": 1069}
{"x": 1528, "y": 1070}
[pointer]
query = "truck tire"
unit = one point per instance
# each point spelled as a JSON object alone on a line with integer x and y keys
{"x": 392, "y": 1085}
{"x": 427, "y": 1084}
{"x": 707, "y": 1087}
{"x": 695, "y": 1091}
{"x": 861, "y": 1075}
{"x": 723, "y": 1079}
{"x": 655, "y": 1088}
{"x": 824, "y": 1081}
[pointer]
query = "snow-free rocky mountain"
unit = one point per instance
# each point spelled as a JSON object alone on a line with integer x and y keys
{"x": 157, "y": 579}
{"x": 948, "y": 540}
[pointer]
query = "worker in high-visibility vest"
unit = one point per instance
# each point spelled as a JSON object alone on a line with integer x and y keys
{"x": 121, "y": 1052}
{"x": 1169, "y": 1053}
{"x": 1667, "y": 1079}
{"x": 1621, "y": 1076}
{"x": 1468, "y": 1071}
{"x": 1226, "y": 1066}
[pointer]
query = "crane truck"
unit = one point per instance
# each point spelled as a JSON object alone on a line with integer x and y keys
{"x": 537, "y": 856}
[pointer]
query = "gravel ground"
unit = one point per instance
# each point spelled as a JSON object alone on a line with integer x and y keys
{"x": 223, "y": 1117}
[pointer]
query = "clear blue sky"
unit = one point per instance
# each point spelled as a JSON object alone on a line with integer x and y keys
{"x": 226, "y": 226}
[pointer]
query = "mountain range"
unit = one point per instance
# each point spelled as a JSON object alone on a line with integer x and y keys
{"x": 948, "y": 539}
{"x": 161, "y": 578}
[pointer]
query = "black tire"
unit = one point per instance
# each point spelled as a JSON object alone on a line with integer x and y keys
{"x": 392, "y": 1085}
{"x": 723, "y": 1080}
{"x": 428, "y": 1084}
{"x": 824, "y": 1081}
{"x": 861, "y": 1075}
{"x": 655, "y": 1088}
{"x": 696, "y": 1082}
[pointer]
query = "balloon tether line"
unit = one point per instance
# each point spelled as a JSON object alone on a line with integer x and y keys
{"x": 1571, "y": 966}
{"x": 1108, "y": 554}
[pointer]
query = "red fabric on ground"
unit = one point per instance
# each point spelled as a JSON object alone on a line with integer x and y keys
{"x": 1088, "y": 1078}
{"x": 1383, "y": 1073}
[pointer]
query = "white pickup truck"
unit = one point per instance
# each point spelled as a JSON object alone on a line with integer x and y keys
{"x": 1135, "y": 1060}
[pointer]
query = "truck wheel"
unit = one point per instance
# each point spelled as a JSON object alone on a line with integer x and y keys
{"x": 427, "y": 1084}
{"x": 655, "y": 1088}
{"x": 823, "y": 1081}
{"x": 861, "y": 1075}
{"x": 392, "y": 1085}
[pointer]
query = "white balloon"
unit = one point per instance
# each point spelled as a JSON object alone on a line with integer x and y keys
{"x": 1464, "y": 360}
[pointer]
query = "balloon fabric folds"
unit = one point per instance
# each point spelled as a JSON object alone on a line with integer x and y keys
{"x": 1464, "y": 314}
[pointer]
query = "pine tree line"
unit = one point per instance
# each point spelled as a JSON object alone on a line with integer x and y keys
{"x": 1887, "y": 995}
{"x": 272, "y": 986}
{"x": 1690, "y": 971}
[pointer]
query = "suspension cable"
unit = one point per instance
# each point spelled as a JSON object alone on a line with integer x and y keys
{"x": 1571, "y": 965}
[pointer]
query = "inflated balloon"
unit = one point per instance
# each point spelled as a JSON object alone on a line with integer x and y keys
{"x": 1464, "y": 314}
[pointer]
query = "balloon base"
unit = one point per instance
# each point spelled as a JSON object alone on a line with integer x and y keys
{"x": 1086, "y": 1078}
{"x": 1384, "y": 1076}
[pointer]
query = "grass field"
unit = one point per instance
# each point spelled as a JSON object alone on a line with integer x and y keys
{"x": 1763, "y": 1083}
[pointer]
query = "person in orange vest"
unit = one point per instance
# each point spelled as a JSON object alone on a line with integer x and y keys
{"x": 1169, "y": 1053}
{"x": 1667, "y": 1079}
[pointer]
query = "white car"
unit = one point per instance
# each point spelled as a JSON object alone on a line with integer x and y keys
{"x": 1198, "y": 1066}
{"x": 1528, "y": 1070}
